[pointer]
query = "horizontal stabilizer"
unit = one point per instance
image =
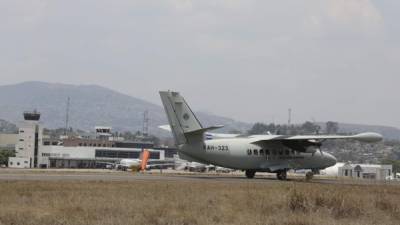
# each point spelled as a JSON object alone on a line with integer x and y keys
{"x": 203, "y": 130}
{"x": 165, "y": 127}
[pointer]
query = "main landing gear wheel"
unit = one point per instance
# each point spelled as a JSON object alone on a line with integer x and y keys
{"x": 250, "y": 174}
{"x": 281, "y": 175}
{"x": 309, "y": 176}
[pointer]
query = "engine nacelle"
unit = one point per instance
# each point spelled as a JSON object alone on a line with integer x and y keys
{"x": 312, "y": 149}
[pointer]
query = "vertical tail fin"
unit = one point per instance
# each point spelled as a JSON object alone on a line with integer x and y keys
{"x": 145, "y": 159}
{"x": 181, "y": 118}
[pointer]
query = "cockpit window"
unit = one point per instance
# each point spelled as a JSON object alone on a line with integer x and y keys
{"x": 249, "y": 151}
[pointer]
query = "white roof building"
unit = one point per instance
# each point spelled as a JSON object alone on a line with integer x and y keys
{"x": 366, "y": 171}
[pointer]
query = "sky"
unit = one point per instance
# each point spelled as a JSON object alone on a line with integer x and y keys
{"x": 250, "y": 60}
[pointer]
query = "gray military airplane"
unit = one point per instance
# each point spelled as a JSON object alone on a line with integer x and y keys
{"x": 256, "y": 153}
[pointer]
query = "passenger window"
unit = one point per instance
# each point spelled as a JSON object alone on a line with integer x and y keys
{"x": 248, "y": 151}
{"x": 262, "y": 152}
{"x": 255, "y": 152}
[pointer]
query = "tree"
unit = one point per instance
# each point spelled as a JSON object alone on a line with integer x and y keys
{"x": 234, "y": 131}
{"x": 258, "y": 128}
{"x": 310, "y": 128}
{"x": 262, "y": 128}
{"x": 332, "y": 127}
{"x": 395, "y": 163}
{"x": 5, "y": 154}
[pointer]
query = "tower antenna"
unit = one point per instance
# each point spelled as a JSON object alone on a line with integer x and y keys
{"x": 67, "y": 117}
{"x": 145, "y": 130}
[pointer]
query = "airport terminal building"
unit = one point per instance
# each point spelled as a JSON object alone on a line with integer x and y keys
{"x": 89, "y": 157}
{"x": 33, "y": 151}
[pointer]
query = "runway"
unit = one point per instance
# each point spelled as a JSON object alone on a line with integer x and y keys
{"x": 126, "y": 177}
{"x": 43, "y": 175}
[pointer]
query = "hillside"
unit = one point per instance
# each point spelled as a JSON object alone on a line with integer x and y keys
{"x": 390, "y": 133}
{"x": 90, "y": 106}
{"x": 94, "y": 105}
{"x": 7, "y": 127}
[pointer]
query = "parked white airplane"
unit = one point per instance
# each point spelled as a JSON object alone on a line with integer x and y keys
{"x": 143, "y": 163}
{"x": 181, "y": 164}
{"x": 139, "y": 164}
{"x": 257, "y": 153}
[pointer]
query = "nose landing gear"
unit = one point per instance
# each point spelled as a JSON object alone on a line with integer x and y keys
{"x": 281, "y": 175}
{"x": 309, "y": 176}
{"x": 250, "y": 174}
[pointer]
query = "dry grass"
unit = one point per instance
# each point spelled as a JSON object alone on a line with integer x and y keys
{"x": 179, "y": 202}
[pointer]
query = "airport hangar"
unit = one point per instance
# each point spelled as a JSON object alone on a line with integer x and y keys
{"x": 33, "y": 150}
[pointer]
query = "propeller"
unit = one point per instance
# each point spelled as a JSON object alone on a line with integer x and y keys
{"x": 318, "y": 144}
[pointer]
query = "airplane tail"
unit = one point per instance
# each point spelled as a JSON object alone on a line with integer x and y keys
{"x": 145, "y": 160}
{"x": 184, "y": 124}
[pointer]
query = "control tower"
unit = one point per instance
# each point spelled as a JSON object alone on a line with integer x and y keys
{"x": 30, "y": 135}
{"x": 103, "y": 133}
{"x": 32, "y": 116}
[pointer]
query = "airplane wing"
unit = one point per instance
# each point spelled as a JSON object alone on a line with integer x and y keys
{"x": 151, "y": 166}
{"x": 363, "y": 137}
{"x": 301, "y": 143}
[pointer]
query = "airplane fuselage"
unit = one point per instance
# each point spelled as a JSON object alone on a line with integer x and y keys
{"x": 240, "y": 153}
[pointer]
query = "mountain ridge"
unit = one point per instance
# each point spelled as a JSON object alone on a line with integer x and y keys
{"x": 93, "y": 105}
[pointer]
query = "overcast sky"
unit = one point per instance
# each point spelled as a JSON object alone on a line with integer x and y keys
{"x": 250, "y": 60}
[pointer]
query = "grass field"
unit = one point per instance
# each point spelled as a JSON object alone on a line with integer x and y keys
{"x": 182, "y": 202}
